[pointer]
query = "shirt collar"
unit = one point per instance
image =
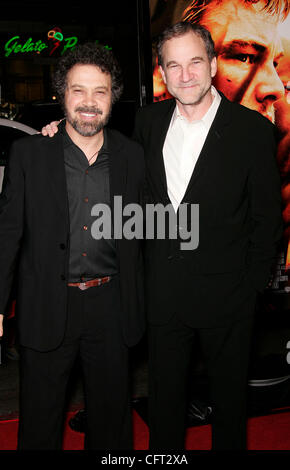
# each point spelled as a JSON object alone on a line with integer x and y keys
{"x": 207, "y": 119}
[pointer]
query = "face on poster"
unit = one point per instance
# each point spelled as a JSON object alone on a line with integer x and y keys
{"x": 252, "y": 41}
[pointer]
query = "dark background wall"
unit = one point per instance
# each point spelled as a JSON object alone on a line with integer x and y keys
{"x": 25, "y": 77}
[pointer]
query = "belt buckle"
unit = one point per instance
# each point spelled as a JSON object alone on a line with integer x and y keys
{"x": 83, "y": 286}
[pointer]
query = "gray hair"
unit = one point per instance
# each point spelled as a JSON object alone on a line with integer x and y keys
{"x": 182, "y": 28}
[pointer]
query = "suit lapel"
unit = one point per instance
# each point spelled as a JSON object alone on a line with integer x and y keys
{"x": 213, "y": 143}
{"x": 118, "y": 165}
{"x": 118, "y": 176}
{"x": 55, "y": 164}
{"x": 157, "y": 163}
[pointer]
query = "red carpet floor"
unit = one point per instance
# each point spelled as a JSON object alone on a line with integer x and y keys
{"x": 270, "y": 432}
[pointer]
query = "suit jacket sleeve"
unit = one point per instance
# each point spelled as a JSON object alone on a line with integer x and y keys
{"x": 11, "y": 222}
{"x": 266, "y": 208}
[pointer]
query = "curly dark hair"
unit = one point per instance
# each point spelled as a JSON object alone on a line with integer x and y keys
{"x": 89, "y": 53}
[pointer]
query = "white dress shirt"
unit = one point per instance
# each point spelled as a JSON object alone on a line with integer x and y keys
{"x": 182, "y": 146}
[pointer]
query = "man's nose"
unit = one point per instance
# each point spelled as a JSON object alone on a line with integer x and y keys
{"x": 90, "y": 98}
{"x": 186, "y": 75}
{"x": 270, "y": 86}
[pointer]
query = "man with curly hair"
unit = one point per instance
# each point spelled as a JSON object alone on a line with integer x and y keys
{"x": 78, "y": 294}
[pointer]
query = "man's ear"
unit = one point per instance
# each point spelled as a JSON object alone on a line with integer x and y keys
{"x": 162, "y": 74}
{"x": 213, "y": 67}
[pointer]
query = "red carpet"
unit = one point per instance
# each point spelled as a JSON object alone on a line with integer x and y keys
{"x": 264, "y": 433}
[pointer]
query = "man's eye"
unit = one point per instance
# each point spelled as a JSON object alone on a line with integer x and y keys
{"x": 245, "y": 58}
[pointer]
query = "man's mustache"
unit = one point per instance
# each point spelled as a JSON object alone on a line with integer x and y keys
{"x": 92, "y": 110}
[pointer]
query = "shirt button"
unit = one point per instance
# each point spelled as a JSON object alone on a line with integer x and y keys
{"x": 62, "y": 246}
{"x": 85, "y": 227}
{"x": 84, "y": 254}
{"x": 86, "y": 199}
{"x": 87, "y": 172}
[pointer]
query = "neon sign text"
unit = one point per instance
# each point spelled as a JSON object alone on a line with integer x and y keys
{"x": 13, "y": 46}
{"x": 29, "y": 46}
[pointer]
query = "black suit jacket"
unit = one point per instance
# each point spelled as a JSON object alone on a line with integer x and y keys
{"x": 34, "y": 223}
{"x": 237, "y": 186}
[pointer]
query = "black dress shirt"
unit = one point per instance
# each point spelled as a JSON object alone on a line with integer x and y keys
{"x": 87, "y": 185}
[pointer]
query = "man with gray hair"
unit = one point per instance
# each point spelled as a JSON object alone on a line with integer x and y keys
{"x": 200, "y": 148}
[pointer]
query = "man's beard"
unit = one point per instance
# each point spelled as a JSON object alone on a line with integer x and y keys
{"x": 88, "y": 129}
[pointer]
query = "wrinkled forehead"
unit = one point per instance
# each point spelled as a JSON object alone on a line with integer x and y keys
{"x": 232, "y": 20}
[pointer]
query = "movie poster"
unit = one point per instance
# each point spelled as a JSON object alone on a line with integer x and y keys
{"x": 252, "y": 39}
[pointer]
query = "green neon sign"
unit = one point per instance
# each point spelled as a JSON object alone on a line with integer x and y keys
{"x": 14, "y": 46}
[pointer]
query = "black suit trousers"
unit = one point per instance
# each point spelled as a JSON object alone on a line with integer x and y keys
{"x": 93, "y": 331}
{"x": 226, "y": 354}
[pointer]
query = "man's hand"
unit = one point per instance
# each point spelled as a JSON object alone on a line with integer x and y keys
{"x": 50, "y": 129}
{"x": 1, "y": 325}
